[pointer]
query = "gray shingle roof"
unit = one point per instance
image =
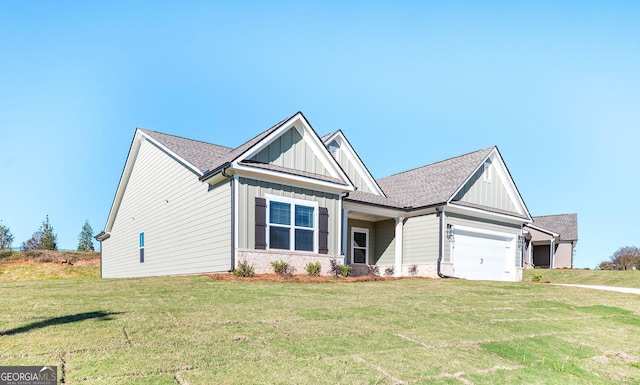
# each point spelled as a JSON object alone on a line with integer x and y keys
{"x": 564, "y": 224}
{"x": 207, "y": 156}
{"x": 200, "y": 154}
{"x": 427, "y": 185}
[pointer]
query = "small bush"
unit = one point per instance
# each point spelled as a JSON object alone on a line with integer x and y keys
{"x": 282, "y": 268}
{"x": 345, "y": 270}
{"x": 335, "y": 269}
{"x": 244, "y": 269}
{"x": 373, "y": 270}
{"x": 536, "y": 277}
{"x": 413, "y": 270}
{"x": 389, "y": 271}
{"x": 313, "y": 268}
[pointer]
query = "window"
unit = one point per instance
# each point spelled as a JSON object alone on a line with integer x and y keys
{"x": 141, "y": 247}
{"x": 333, "y": 148}
{"x": 359, "y": 245}
{"x": 487, "y": 172}
{"x": 292, "y": 224}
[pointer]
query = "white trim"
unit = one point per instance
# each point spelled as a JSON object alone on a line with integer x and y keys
{"x": 494, "y": 157}
{"x": 399, "y": 246}
{"x": 542, "y": 230}
{"x": 288, "y": 179}
{"x": 481, "y": 213}
{"x": 366, "y": 250}
{"x": 310, "y": 137}
{"x": 236, "y": 225}
{"x": 493, "y": 233}
{"x": 486, "y": 172}
{"x": 353, "y": 157}
{"x": 292, "y": 226}
{"x": 173, "y": 154}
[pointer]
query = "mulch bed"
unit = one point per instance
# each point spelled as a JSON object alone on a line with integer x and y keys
{"x": 299, "y": 278}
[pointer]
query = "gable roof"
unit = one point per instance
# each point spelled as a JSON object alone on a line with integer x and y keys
{"x": 200, "y": 154}
{"x": 566, "y": 225}
{"x": 434, "y": 183}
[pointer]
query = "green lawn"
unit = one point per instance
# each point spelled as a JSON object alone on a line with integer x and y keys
{"x": 621, "y": 278}
{"x": 194, "y": 330}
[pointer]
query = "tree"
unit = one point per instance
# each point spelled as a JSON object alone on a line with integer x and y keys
{"x": 32, "y": 243}
{"x": 6, "y": 238}
{"x": 49, "y": 240}
{"x": 626, "y": 258}
{"x": 85, "y": 239}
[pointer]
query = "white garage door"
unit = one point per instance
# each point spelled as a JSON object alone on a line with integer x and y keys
{"x": 478, "y": 255}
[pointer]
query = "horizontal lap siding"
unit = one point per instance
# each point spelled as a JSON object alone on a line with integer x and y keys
{"x": 562, "y": 257}
{"x": 187, "y": 224}
{"x": 249, "y": 189}
{"x": 420, "y": 236}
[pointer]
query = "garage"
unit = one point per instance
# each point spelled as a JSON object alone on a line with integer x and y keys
{"x": 483, "y": 255}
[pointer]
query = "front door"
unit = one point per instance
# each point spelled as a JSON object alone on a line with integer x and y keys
{"x": 360, "y": 245}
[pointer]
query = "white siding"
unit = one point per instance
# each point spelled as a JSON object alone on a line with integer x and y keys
{"x": 186, "y": 223}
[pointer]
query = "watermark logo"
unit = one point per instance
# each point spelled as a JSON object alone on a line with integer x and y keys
{"x": 28, "y": 375}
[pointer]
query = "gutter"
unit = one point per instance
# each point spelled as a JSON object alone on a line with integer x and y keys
{"x": 208, "y": 174}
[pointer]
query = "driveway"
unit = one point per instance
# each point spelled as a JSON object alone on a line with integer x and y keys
{"x": 608, "y": 288}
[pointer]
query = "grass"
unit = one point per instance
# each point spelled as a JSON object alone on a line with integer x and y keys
{"x": 26, "y": 266}
{"x": 620, "y": 278}
{"x": 197, "y": 330}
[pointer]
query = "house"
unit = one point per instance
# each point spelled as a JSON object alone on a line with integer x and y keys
{"x": 187, "y": 207}
{"x": 550, "y": 241}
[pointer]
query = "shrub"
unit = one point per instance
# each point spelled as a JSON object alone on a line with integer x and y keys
{"x": 345, "y": 270}
{"x": 373, "y": 270}
{"x": 536, "y": 277}
{"x": 413, "y": 270}
{"x": 389, "y": 271}
{"x": 282, "y": 268}
{"x": 313, "y": 268}
{"x": 244, "y": 269}
{"x": 335, "y": 269}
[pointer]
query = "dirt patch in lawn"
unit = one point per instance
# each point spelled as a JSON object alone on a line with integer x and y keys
{"x": 297, "y": 278}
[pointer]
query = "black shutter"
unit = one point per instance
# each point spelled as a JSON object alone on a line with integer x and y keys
{"x": 261, "y": 224}
{"x": 323, "y": 231}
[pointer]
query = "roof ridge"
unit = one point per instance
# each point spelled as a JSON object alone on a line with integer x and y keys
{"x": 440, "y": 161}
{"x": 182, "y": 137}
{"x": 553, "y": 215}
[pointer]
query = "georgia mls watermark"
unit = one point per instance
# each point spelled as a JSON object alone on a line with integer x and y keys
{"x": 28, "y": 375}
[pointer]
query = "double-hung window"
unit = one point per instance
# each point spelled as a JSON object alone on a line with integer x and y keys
{"x": 292, "y": 224}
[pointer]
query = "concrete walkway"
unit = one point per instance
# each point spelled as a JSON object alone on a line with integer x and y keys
{"x": 608, "y": 288}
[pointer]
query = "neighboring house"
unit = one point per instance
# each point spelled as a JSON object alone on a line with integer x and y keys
{"x": 550, "y": 241}
{"x": 187, "y": 207}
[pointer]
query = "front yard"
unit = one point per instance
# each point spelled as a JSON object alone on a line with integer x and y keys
{"x": 195, "y": 330}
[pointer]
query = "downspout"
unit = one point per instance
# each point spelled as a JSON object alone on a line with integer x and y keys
{"x": 233, "y": 219}
{"x": 344, "y": 226}
{"x": 441, "y": 214}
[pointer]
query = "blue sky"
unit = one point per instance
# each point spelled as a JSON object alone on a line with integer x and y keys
{"x": 555, "y": 86}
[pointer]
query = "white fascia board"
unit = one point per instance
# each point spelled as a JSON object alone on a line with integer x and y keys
{"x": 373, "y": 210}
{"x": 504, "y": 175}
{"x": 542, "y": 230}
{"x": 190, "y": 166}
{"x": 288, "y": 179}
{"x": 309, "y": 136}
{"x": 479, "y": 213}
{"x": 353, "y": 157}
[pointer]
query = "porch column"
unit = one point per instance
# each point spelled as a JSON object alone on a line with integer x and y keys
{"x": 399, "y": 242}
{"x": 345, "y": 228}
{"x": 551, "y": 253}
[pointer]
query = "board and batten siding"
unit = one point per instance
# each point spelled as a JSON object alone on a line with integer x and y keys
{"x": 421, "y": 239}
{"x": 249, "y": 189}
{"x": 186, "y": 223}
{"x": 489, "y": 194}
{"x": 462, "y": 220}
{"x": 348, "y": 167}
{"x": 291, "y": 151}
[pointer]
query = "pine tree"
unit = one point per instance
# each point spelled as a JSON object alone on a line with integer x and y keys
{"x": 6, "y": 238}
{"x": 49, "y": 240}
{"x": 85, "y": 239}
